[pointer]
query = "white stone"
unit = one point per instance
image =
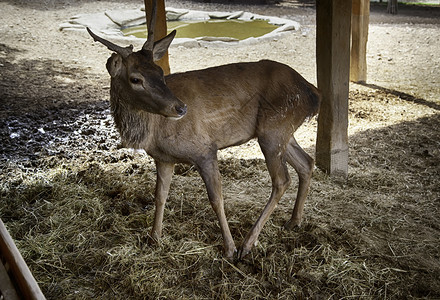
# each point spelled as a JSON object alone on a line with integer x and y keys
{"x": 125, "y": 18}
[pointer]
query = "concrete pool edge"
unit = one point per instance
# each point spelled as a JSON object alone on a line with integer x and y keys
{"x": 109, "y": 24}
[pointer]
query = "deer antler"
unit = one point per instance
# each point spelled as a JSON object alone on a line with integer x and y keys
{"x": 150, "y": 38}
{"x": 123, "y": 51}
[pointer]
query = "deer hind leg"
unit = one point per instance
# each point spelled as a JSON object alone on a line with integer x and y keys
{"x": 164, "y": 176}
{"x": 273, "y": 151}
{"x": 303, "y": 165}
{"x": 211, "y": 176}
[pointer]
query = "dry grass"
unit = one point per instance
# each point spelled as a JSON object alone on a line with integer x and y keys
{"x": 82, "y": 223}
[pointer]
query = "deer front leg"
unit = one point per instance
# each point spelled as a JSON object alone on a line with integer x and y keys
{"x": 211, "y": 176}
{"x": 164, "y": 175}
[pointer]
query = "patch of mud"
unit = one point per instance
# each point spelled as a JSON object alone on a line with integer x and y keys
{"x": 65, "y": 133}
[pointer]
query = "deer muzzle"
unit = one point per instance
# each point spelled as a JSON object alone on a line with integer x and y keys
{"x": 180, "y": 111}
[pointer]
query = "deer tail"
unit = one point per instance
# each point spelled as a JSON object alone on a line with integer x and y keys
{"x": 311, "y": 102}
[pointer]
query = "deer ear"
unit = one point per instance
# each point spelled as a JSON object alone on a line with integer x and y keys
{"x": 114, "y": 65}
{"x": 161, "y": 46}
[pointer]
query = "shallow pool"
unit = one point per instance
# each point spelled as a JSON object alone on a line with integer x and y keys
{"x": 238, "y": 29}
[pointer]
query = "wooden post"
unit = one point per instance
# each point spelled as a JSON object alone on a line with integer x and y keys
{"x": 160, "y": 29}
{"x": 7, "y": 289}
{"x": 26, "y": 283}
{"x": 359, "y": 36}
{"x": 333, "y": 18}
{"x": 392, "y": 7}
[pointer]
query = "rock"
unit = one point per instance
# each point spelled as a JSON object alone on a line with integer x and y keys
{"x": 174, "y": 14}
{"x": 126, "y": 18}
{"x": 286, "y": 27}
{"x": 70, "y": 26}
{"x": 186, "y": 42}
{"x": 216, "y": 39}
{"x": 235, "y": 15}
{"x": 219, "y": 15}
{"x": 97, "y": 21}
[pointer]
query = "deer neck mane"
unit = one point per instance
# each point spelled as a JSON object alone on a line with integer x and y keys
{"x": 134, "y": 126}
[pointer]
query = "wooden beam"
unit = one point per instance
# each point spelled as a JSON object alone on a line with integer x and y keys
{"x": 333, "y": 18}
{"x": 160, "y": 29}
{"x": 7, "y": 289}
{"x": 22, "y": 276}
{"x": 359, "y": 36}
{"x": 392, "y": 7}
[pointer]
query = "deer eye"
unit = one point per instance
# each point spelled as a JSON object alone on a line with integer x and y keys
{"x": 135, "y": 80}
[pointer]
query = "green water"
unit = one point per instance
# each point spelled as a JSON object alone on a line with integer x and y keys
{"x": 237, "y": 29}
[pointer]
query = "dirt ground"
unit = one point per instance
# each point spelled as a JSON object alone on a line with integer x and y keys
{"x": 374, "y": 235}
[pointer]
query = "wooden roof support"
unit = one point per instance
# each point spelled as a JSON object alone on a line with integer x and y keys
{"x": 28, "y": 287}
{"x": 7, "y": 289}
{"x": 359, "y": 36}
{"x": 392, "y": 7}
{"x": 160, "y": 30}
{"x": 333, "y": 18}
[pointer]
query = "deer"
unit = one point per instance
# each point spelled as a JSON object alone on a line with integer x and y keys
{"x": 188, "y": 117}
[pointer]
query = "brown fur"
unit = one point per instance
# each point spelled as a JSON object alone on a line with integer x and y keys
{"x": 187, "y": 117}
{"x": 219, "y": 115}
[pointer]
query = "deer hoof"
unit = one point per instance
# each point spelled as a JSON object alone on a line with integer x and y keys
{"x": 230, "y": 254}
{"x": 292, "y": 224}
{"x": 152, "y": 240}
{"x": 241, "y": 253}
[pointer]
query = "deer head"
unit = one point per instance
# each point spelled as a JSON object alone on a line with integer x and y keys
{"x": 142, "y": 81}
